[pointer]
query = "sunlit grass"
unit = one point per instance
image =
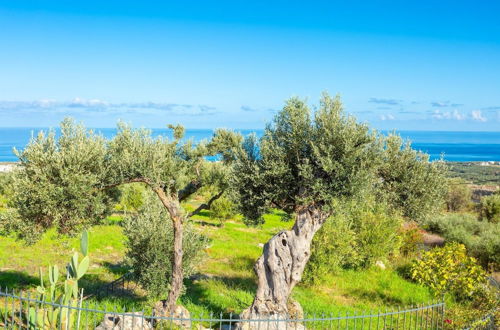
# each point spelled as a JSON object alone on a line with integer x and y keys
{"x": 19, "y": 263}
{"x": 228, "y": 283}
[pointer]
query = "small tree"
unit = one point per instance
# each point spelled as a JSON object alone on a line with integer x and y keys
{"x": 69, "y": 181}
{"x": 302, "y": 165}
{"x": 458, "y": 197}
{"x": 490, "y": 208}
{"x": 59, "y": 180}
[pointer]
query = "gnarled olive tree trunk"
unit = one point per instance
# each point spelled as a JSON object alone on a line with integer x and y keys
{"x": 280, "y": 268}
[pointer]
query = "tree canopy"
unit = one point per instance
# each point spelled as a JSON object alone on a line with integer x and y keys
{"x": 307, "y": 158}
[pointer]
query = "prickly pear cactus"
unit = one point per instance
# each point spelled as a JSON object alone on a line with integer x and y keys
{"x": 66, "y": 294}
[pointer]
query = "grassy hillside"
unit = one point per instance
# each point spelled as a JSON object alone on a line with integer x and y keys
{"x": 226, "y": 282}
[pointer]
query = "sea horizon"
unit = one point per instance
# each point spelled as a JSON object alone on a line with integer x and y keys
{"x": 453, "y": 146}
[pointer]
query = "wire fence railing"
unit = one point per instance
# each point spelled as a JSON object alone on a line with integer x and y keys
{"x": 121, "y": 286}
{"x": 23, "y": 310}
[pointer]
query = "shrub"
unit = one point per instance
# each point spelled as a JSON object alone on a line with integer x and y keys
{"x": 458, "y": 196}
{"x": 482, "y": 239}
{"x": 472, "y": 314}
{"x": 222, "y": 209}
{"x": 334, "y": 247}
{"x": 490, "y": 208}
{"x": 359, "y": 234}
{"x": 449, "y": 270}
{"x": 411, "y": 237}
{"x": 5, "y": 189}
{"x": 150, "y": 247}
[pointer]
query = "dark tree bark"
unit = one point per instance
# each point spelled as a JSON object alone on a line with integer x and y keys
{"x": 206, "y": 206}
{"x": 280, "y": 268}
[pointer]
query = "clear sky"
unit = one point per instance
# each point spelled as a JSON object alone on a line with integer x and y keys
{"x": 412, "y": 65}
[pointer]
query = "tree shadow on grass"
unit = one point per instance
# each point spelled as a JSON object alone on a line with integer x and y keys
{"x": 199, "y": 294}
{"x": 117, "y": 268}
{"x": 12, "y": 279}
{"x": 121, "y": 288}
{"x": 205, "y": 223}
{"x": 376, "y": 296}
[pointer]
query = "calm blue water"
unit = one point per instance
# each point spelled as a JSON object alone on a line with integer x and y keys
{"x": 455, "y": 146}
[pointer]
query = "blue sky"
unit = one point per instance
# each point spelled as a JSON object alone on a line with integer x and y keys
{"x": 419, "y": 65}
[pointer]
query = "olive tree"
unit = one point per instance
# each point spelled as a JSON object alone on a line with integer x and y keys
{"x": 303, "y": 164}
{"x": 67, "y": 181}
{"x": 409, "y": 181}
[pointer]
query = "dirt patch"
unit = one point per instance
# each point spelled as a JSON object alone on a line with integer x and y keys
{"x": 432, "y": 240}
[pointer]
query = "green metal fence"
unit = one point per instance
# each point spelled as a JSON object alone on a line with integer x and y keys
{"x": 20, "y": 310}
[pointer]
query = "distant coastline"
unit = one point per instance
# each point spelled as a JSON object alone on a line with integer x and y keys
{"x": 453, "y": 146}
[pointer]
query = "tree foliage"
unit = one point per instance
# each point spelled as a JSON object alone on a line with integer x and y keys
{"x": 409, "y": 181}
{"x": 305, "y": 160}
{"x": 481, "y": 238}
{"x": 131, "y": 197}
{"x": 58, "y": 181}
{"x": 69, "y": 179}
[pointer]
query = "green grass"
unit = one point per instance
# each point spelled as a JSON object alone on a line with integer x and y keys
{"x": 228, "y": 284}
{"x": 19, "y": 264}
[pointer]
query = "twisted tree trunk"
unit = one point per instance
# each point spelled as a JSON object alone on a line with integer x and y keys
{"x": 280, "y": 268}
{"x": 177, "y": 275}
{"x": 174, "y": 209}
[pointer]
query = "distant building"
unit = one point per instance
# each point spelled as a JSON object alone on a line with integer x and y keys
{"x": 7, "y": 167}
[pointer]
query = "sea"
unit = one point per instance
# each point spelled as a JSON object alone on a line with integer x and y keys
{"x": 452, "y": 146}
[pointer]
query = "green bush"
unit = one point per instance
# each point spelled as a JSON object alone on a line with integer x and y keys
{"x": 482, "y": 239}
{"x": 448, "y": 269}
{"x": 150, "y": 247}
{"x": 222, "y": 209}
{"x": 490, "y": 208}
{"x": 357, "y": 235}
{"x": 458, "y": 196}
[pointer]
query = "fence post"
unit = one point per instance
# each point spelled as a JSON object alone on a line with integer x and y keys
{"x": 21, "y": 308}
{"x": 442, "y": 314}
{"x": 28, "y": 311}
